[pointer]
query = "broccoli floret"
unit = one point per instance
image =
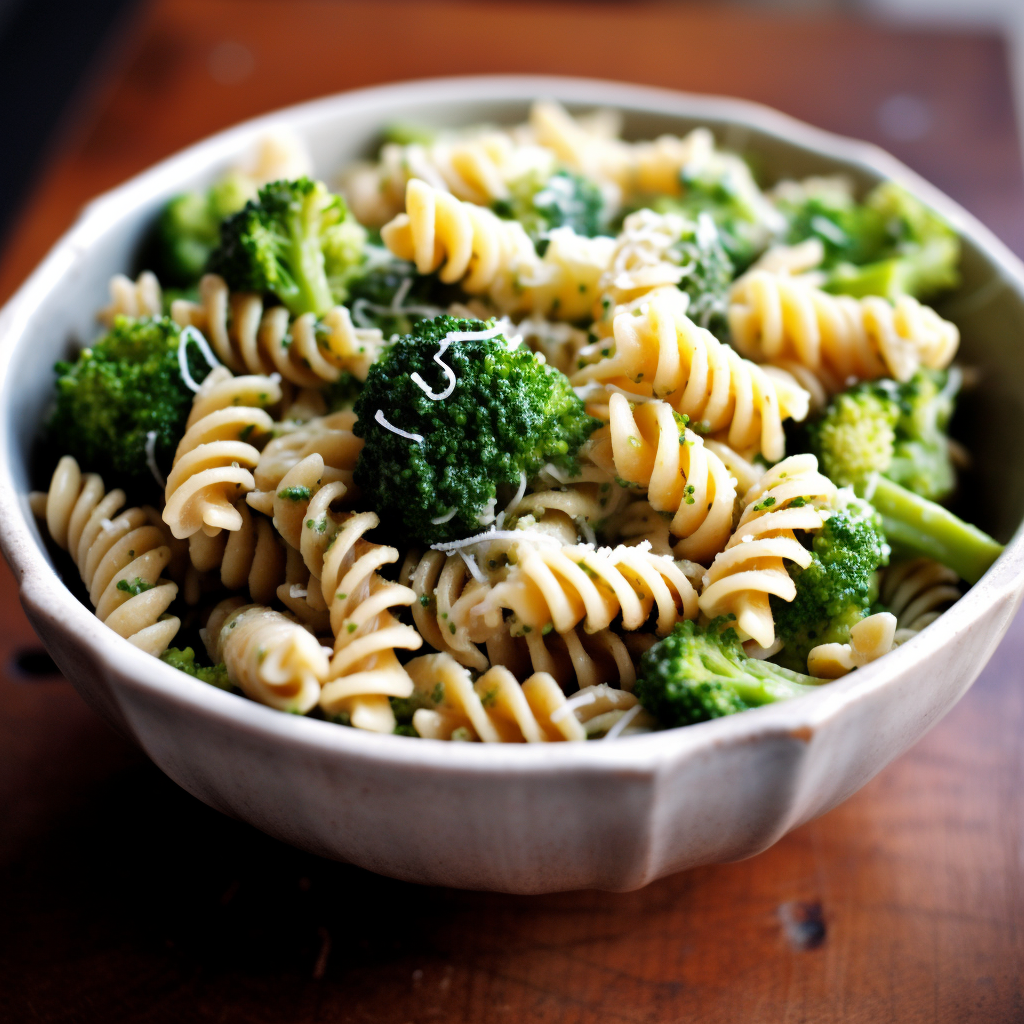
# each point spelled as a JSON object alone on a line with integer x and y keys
{"x": 708, "y": 271}
{"x": 117, "y": 393}
{"x": 184, "y": 660}
{"x": 297, "y": 241}
{"x": 888, "y": 441}
{"x": 837, "y": 588}
{"x": 188, "y": 229}
{"x": 701, "y": 672}
{"x": 565, "y": 199}
{"x": 889, "y": 245}
{"x": 746, "y": 223}
{"x": 899, "y": 430}
{"x": 508, "y": 413}
{"x": 393, "y": 297}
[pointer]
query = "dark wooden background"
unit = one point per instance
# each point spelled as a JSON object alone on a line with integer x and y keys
{"x": 123, "y": 899}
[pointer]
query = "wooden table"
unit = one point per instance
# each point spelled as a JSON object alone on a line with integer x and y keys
{"x": 123, "y": 899}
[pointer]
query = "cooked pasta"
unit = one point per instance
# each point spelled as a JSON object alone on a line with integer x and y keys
{"x": 271, "y": 658}
{"x": 781, "y": 319}
{"x": 562, "y": 383}
{"x": 214, "y": 461}
{"x": 753, "y": 564}
{"x": 471, "y": 246}
{"x": 661, "y": 353}
{"x": 870, "y": 638}
{"x": 141, "y": 297}
{"x": 120, "y": 555}
{"x": 917, "y": 591}
{"x": 249, "y": 338}
{"x": 563, "y": 586}
{"x": 648, "y": 446}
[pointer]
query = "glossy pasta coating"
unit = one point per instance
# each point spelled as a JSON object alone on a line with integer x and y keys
{"x": 120, "y": 555}
{"x": 787, "y": 321}
{"x": 271, "y": 658}
{"x": 649, "y": 446}
{"x": 659, "y": 352}
{"x": 560, "y": 587}
{"x": 251, "y": 338}
{"x": 753, "y": 565}
{"x": 213, "y": 463}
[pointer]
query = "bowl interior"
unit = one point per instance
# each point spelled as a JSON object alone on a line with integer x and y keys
{"x": 988, "y": 307}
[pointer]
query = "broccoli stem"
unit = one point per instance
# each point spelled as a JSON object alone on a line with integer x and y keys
{"x": 769, "y": 683}
{"x": 306, "y": 255}
{"x": 918, "y": 526}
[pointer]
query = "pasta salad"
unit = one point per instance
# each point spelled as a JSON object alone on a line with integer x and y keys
{"x": 519, "y": 434}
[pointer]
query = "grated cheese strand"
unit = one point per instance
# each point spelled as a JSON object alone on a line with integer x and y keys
{"x": 191, "y": 334}
{"x": 624, "y": 720}
{"x": 418, "y": 438}
{"x": 151, "y": 458}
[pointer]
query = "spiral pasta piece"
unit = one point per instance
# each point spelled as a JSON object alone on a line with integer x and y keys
{"x": 249, "y": 338}
{"x": 138, "y": 298}
{"x": 251, "y": 558}
{"x": 575, "y": 657}
{"x": 471, "y": 246}
{"x": 564, "y": 586}
{"x": 661, "y": 353}
{"x": 364, "y": 671}
{"x": 917, "y": 591}
{"x": 780, "y": 319}
{"x": 752, "y": 566}
{"x": 647, "y": 446}
{"x": 330, "y": 437}
{"x": 271, "y": 658}
{"x": 214, "y": 460}
{"x": 870, "y": 638}
{"x": 119, "y": 554}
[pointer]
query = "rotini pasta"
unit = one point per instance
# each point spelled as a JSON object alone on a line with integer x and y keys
{"x": 785, "y": 320}
{"x": 119, "y": 554}
{"x": 870, "y": 638}
{"x": 563, "y": 586}
{"x": 269, "y": 657}
{"x": 141, "y": 297}
{"x": 213, "y": 463}
{"x": 647, "y": 446}
{"x": 917, "y": 591}
{"x": 249, "y": 338}
{"x": 752, "y": 566}
{"x": 661, "y": 353}
{"x": 473, "y": 247}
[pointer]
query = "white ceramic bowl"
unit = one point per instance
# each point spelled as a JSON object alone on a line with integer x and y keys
{"x": 610, "y": 815}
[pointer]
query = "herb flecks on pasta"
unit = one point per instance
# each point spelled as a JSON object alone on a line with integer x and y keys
{"x": 598, "y": 437}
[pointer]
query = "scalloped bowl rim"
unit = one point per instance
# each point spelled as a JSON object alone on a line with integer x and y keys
{"x": 42, "y": 587}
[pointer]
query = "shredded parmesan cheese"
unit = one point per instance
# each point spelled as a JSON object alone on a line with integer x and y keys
{"x": 151, "y": 457}
{"x": 191, "y": 334}
{"x": 295, "y": 591}
{"x": 418, "y": 438}
{"x": 624, "y": 720}
{"x": 447, "y": 517}
{"x": 492, "y": 535}
{"x": 448, "y": 372}
{"x": 474, "y": 569}
{"x": 581, "y": 700}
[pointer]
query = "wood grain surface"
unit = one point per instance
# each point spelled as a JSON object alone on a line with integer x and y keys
{"x": 122, "y": 899}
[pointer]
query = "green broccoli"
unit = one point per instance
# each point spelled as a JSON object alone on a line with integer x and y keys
{"x": 184, "y": 660}
{"x": 899, "y": 430}
{"x": 565, "y": 199}
{"x": 124, "y": 398}
{"x": 432, "y": 466}
{"x": 701, "y": 672}
{"x": 391, "y": 295}
{"x": 746, "y": 222}
{"x": 188, "y": 229}
{"x": 296, "y": 241}
{"x": 837, "y": 589}
{"x": 889, "y": 245}
{"x": 888, "y": 441}
{"x": 708, "y": 269}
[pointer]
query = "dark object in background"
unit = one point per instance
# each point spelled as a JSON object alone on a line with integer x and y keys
{"x": 48, "y": 48}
